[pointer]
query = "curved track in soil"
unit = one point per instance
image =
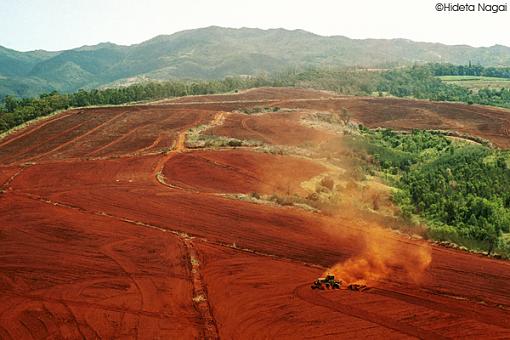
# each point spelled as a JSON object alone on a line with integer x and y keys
{"x": 239, "y": 171}
{"x": 319, "y": 299}
{"x": 111, "y": 228}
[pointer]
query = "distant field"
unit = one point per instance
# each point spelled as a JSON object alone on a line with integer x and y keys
{"x": 476, "y": 83}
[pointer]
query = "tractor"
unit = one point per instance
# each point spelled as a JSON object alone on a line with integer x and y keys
{"x": 327, "y": 282}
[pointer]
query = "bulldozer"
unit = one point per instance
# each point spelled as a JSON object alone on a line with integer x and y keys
{"x": 327, "y": 282}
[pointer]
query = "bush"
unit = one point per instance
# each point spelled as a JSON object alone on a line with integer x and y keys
{"x": 235, "y": 142}
{"x": 328, "y": 183}
{"x": 442, "y": 232}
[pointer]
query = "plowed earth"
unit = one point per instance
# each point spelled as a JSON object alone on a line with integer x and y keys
{"x": 105, "y": 233}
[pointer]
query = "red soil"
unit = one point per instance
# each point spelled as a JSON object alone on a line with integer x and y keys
{"x": 6, "y": 175}
{"x": 487, "y": 122}
{"x": 69, "y": 274}
{"x": 100, "y": 248}
{"x": 105, "y": 132}
{"x": 259, "y": 94}
{"x": 118, "y": 191}
{"x": 239, "y": 171}
{"x": 271, "y": 128}
{"x": 236, "y": 278}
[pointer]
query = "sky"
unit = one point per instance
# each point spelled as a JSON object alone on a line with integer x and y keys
{"x": 64, "y": 24}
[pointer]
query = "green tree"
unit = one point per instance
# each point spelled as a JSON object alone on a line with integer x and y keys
{"x": 10, "y": 103}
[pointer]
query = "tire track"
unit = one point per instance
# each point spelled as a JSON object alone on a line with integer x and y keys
{"x": 167, "y": 229}
{"x": 4, "y": 334}
{"x": 152, "y": 145}
{"x": 245, "y": 126}
{"x": 108, "y": 251}
{"x": 116, "y": 140}
{"x": 94, "y": 305}
{"x": 306, "y": 294}
{"x": 179, "y": 146}
{"x": 437, "y": 306}
{"x": 6, "y": 186}
{"x": 124, "y": 136}
{"x": 89, "y": 132}
{"x": 25, "y": 151}
{"x": 29, "y": 131}
{"x": 76, "y": 322}
{"x": 249, "y": 174}
{"x": 200, "y": 296}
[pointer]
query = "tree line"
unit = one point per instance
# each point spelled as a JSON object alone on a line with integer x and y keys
{"x": 469, "y": 70}
{"x": 421, "y": 82}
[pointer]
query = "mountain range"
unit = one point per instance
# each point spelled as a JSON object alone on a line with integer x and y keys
{"x": 215, "y": 52}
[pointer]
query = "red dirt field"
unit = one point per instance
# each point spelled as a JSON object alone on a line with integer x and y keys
{"x": 68, "y": 274}
{"x": 271, "y": 128}
{"x": 487, "y": 122}
{"x": 341, "y": 314}
{"x": 6, "y": 174}
{"x": 104, "y": 132}
{"x": 95, "y": 242}
{"x": 260, "y": 94}
{"x": 239, "y": 171}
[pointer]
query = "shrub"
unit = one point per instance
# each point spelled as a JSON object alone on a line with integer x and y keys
{"x": 328, "y": 182}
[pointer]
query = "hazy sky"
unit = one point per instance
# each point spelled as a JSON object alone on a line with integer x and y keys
{"x": 62, "y": 24}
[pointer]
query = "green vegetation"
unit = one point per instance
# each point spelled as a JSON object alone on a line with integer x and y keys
{"x": 461, "y": 190}
{"x": 484, "y": 85}
{"x": 196, "y": 139}
{"x": 469, "y": 70}
{"x": 258, "y": 109}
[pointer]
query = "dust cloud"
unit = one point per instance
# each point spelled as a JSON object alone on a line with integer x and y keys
{"x": 383, "y": 256}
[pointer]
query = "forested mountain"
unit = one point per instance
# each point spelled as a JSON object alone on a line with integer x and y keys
{"x": 216, "y": 52}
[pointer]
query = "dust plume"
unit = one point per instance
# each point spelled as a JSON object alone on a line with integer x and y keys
{"x": 383, "y": 256}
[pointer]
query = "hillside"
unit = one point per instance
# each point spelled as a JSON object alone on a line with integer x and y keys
{"x": 216, "y": 52}
{"x": 149, "y": 221}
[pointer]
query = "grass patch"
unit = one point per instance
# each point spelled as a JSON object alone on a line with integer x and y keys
{"x": 476, "y": 83}
{"x": 196, "y": 139}
{"x": 258, "y": 109}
